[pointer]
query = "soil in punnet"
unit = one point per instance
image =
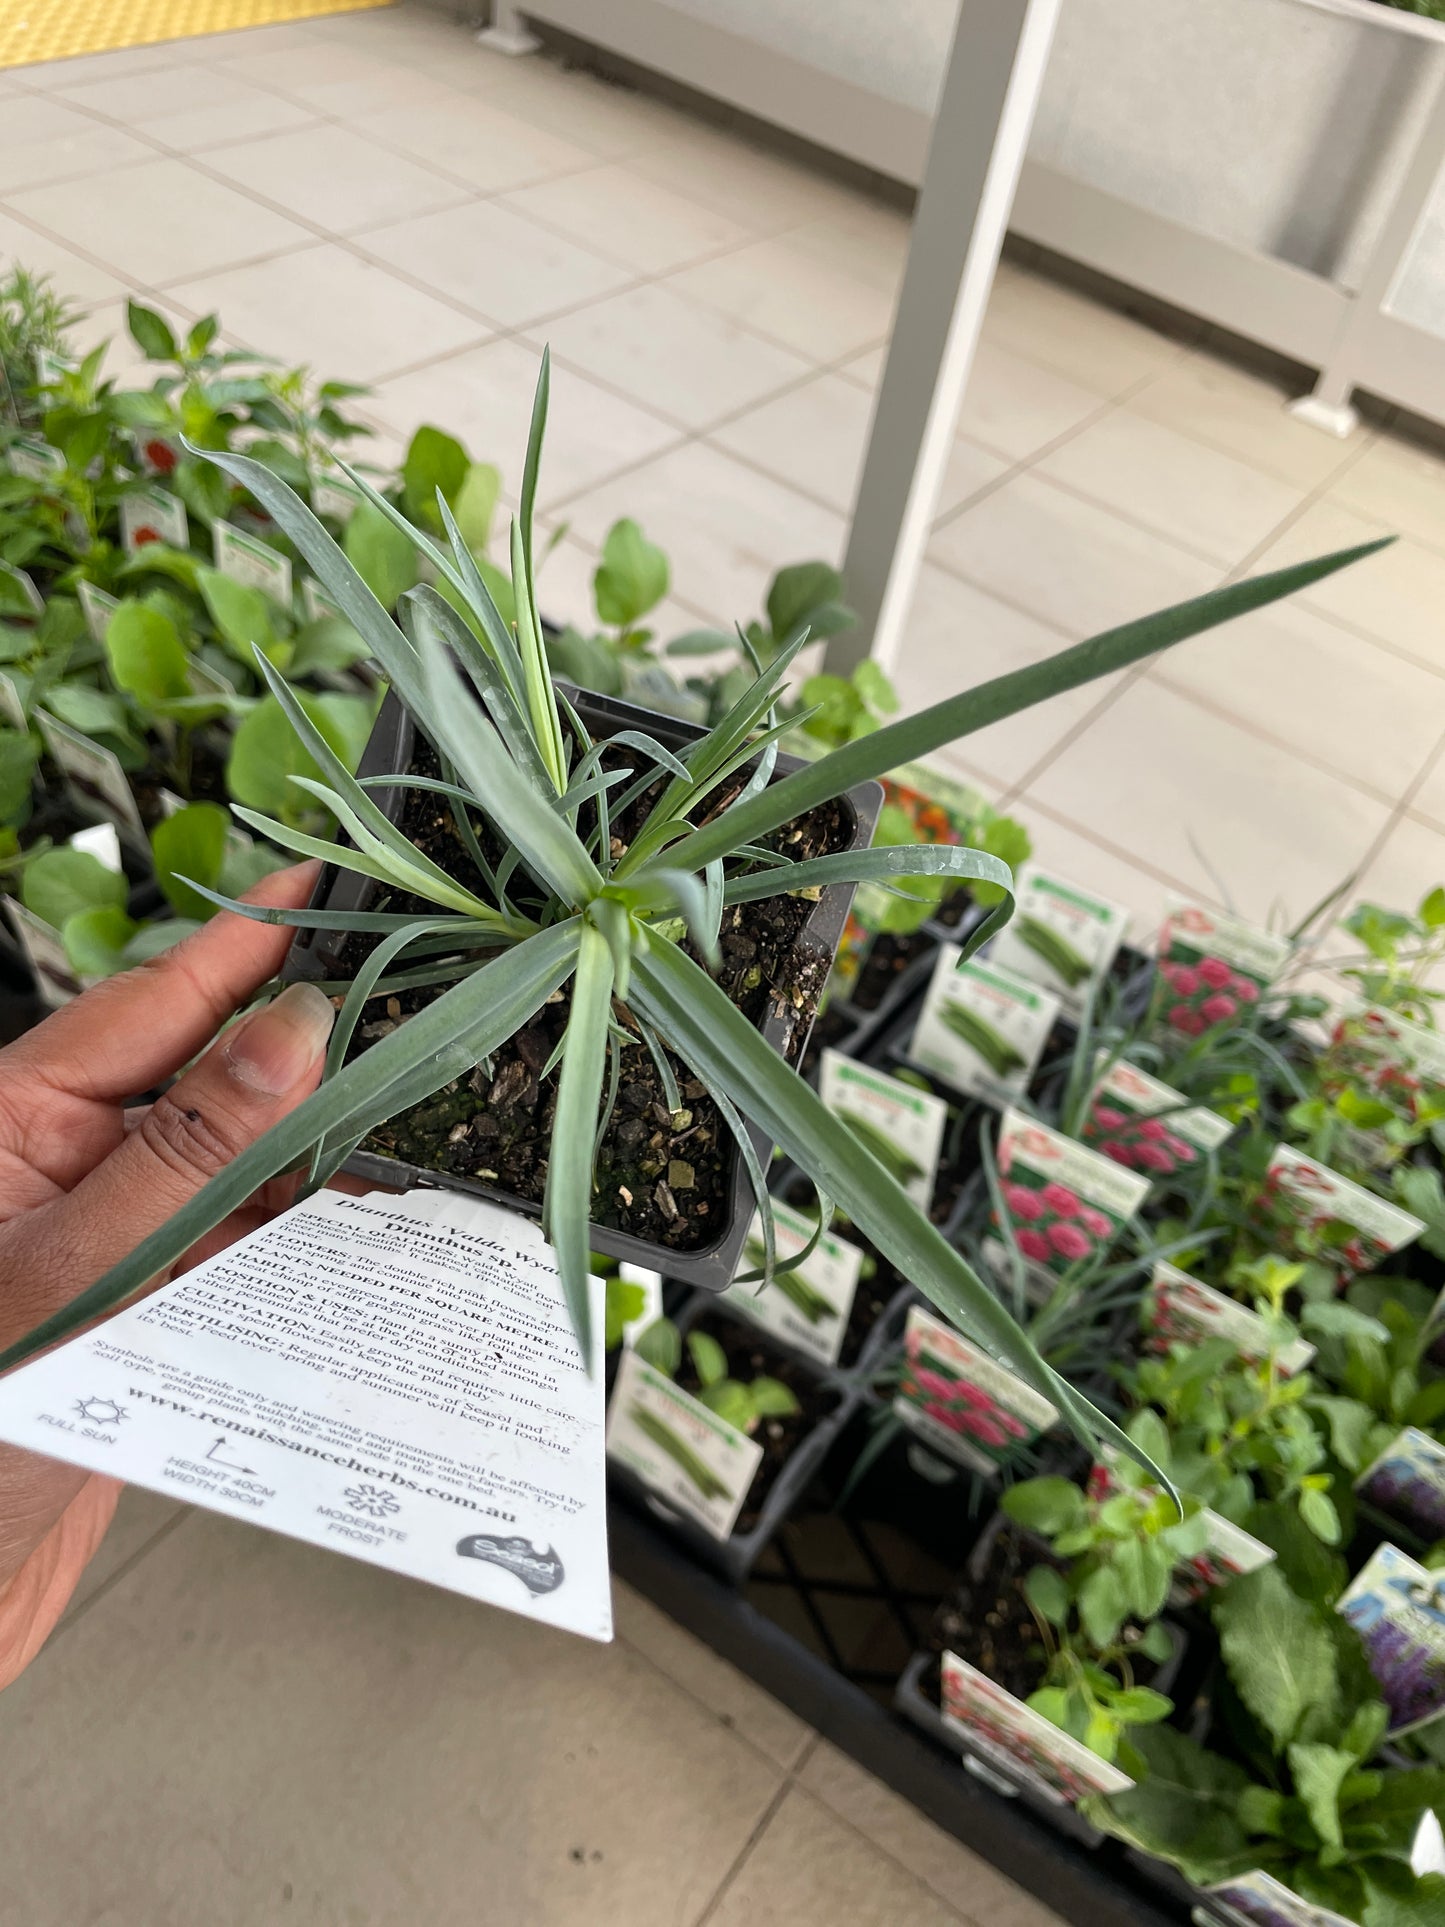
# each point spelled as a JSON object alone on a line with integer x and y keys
{"x": 750, "y": 1357}
{"x": 661, "y": 1176}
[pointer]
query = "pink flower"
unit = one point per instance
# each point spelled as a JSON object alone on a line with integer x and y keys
{"x": 1033, "y": 1244}
{"x": 1022, "y": 1202}
{"x": 1215, "y": 972}
{"x": 1181, "y": 1150}
{"x": 934, "y": 1383}
{"x": 1059, "y": 1198}
{"x": 1217, "y": 1009}
{"x": 1107, "y": 1118}
{"x": 1152, "y": 1127}
{"x": 1245, "y": 989}
{"x": 1185, "y": 980}
{"x": 1095, "y": 1222}
{"x": 1154, "y": 1157}
{"x": 1187, "y": 1020}
{"x": 1069, "y": 1241}
{"x": 1120, "y": 1153}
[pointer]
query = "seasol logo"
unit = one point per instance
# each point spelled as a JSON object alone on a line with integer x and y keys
{"x": 538, "y": 1571}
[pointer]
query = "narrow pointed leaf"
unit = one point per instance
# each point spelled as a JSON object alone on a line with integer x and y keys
{"x": 568, "y": 1208}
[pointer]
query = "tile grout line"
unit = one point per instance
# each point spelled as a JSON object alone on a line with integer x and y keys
{"x": 123, "y": 1571}
{"x": 740, "y": 1859}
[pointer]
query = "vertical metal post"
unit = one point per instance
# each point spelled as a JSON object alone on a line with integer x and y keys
{"x": 508, "y": 33}
{"x": 1327, "y": 405}
{"x": 995, "y": 71}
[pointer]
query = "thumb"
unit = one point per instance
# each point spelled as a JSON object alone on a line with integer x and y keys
{"x": 248, "y": 1080}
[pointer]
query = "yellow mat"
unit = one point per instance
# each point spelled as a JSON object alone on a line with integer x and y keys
{"x": 33, "y": 30}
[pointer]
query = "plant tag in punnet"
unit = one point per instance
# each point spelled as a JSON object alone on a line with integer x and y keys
{"x": 55, "y": 980}
{"x": 12, "y": 710}
{"x": 316, "y": 602}
{"x": 901, "y": 1125}
{"x": 34, "y": 459}
{"x": 1263, "y": 1901}
{"x": 153, "y": 514}
{"x": 1148, "y": 1126}
{"x": 1229, "y": 1551}
{"x": 981, "y": 1030}
{"x": 1407, "y": 1484}
{"x": 395, "y": 1378}
{"x": 94, "y": 774}
{"x": 1378, "y": 1055}
{"x": 692, "y": 1459}
{"x": 1315, "y": 1213}
{"x": 940, "y": 809}
{"x": 1061, "y": 937}
{"x": 97, "y": 607}
{"x": 1397, "y": 1606}
{"x": 1009, "y": 1735}
{"x": 1213, "y": 965}
{"x": 1181, "y": 1310}
{"x": 1066, "y": 1203}
{"x": 205, "y": 681}
{"x": 808, "y": 1307}
{"x": 332, "y": 495}
{"x": 252, "y": 562}
{"x": 18, "y": 594}
{"x": 962, "y": 1402}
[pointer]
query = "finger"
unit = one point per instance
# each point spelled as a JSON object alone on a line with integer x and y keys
{"x": 249, "y": 1080}
{"x": 135, "y": 1030}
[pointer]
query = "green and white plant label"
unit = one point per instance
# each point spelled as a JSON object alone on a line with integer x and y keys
{"x": 50, "y": 366}
{"x": 901, "y": 1125}
{"x": 1066, "y": 1204}
{"x": 208, "y": 682}
{"x": 93, "y": 773}
{"x": 395, "y": 1378}
{"x": 1262, "y": 1901}
{"x": 316, "y": 602}
{"x": 252, "y": 562}
{"x": 97, "y": 607}
{"x": 1397, "y": 1606}
{"x": 1316, "y": 1213}
{"x": 1020, "y": 1743}
{"x": 1181, "y": 1310}
{"x": 153, "y": 514}
{"x": 333, "y": 495}
{"x": 1407, "y": 1484}
{"x": 960, "y": 1401}
{"x": 939, "y": 806}
{"x": 1382, "y": 1056}
{"x": 1061, "y": 937}
{"x": 694, "y": 1461}
{"x": 12, "y": 710}
{"x": 1213, "y": 965}
{"x": 55, "y": 981}
{"x": 1227, "y": 1553}
{"x": 1148, "y": 1126}
{"x": 18, "y": 594}
{"x": 982, "y": 1030}
{"x": 806, "y": 1308}
{"x": 28, "y": 455}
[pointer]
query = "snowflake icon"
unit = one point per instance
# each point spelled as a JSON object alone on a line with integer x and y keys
{"x": 100, "y": 1411}
{"x": 374, "y": 1500}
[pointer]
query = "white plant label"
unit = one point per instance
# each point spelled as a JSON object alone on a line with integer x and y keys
{"x": 153, "y": 515}
{"x": 97, "y": 607}
{"x": 982, "y": 1029}
{"x": 808, "y": 1307}
{"x": 693, "y": 1460}
{"x": 334, "y": 496}
{"x": 1181, "y": 1310}
{"x": 101, "y": 842}
{"x": 1006, "y": 1734}
{"x": 93, "y": 773}
{"x": 33, "y": 458}
{"x": 316, "y": 602}
{"x": 55, "y": 981}
{"x": 392, "y": 1377}
{"x": 1061, "y": 937}
{"x": 12, "y": 710}
{"x": 1263, "y": 1901}
{"x": 1317, "y": 1213}
{"x": 962, "y": 1402}
{"x": 24, "y": 587}
{"x": 901, "y": 1125}
{"x": 1065, "y": 1203}
{"x": 1148, "y": 1126}
{"x": 252, "y": 562}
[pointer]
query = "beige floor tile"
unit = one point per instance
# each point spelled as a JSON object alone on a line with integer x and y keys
{"x": 1395, "y": 596}
{"x": 1062, "y": 844}
{"x": 1093, "y": 345}
{"x": 629, "y": 218}
{"x": 796, "y": 296}
{"x": 727, "y": 528}
{"x": 866, "y": 369}
{"x": 337, "y": 80}
{"x": 249, "y": 1730}
{"x": 36, "y": 118}
{"x": 1429, "y": 799}
{"x": 346, "y": 317}
{"x": 1197, "y": 797}
{"x": 124, "y": 363}
{"x": 334, "y": 178}
{"x": 140, "y": 1519}
{"x": 565, "y": 591}
{"x": 89, "y": 149}
{"x": 243, "y": 116}
{"x": 1017, "y": 406}
{"x": 83, "y": 67}
{"x": 731, "y": 1695}
{"x": 1199, "y": 497}
{"x": 484, "y": 397}
{"x": 1401, "y": 485}
{"x": 764, "y": 190}
{"x": 286, "y": 36}
{"x": 169, "y": 223}
{"x": 138, "y": 99}
{"x": 684, "y": 360}
{"x": 495, "y": 262}
{"x": 1410, "y": 864}
{"x": 808, "y": 1865}
{"x": 74, "y": 276}
{"x": 958, "y": 637}
{"x": 1245, "y": 415}
{"x": 611, "y": 120}
{"x": 944, "y": 1864}
{"x": 1357, "y": 709}
{"x": 1066, "y": 559}
{"x": 475, "y": 139}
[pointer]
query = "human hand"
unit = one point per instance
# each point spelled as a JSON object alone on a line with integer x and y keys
{"x": 82, "y": 1180}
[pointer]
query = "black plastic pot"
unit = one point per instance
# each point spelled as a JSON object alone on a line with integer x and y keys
{"x": 736, "y": 1556}
{"x": 316, "y": 954}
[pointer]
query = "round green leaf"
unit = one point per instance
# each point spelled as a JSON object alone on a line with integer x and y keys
{"x": 147, "y": 657}
{"x": 95, "y": 940}
{"x": 633, "y": 577}
{"x": 59, "y": 884}
{"x": 191, "y": 844}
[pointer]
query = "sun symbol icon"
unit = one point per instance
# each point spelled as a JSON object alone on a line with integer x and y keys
{"x": 100, "y": 1411}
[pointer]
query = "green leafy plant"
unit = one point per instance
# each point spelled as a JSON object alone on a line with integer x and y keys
{"x": 1401, "y": 951}
{"x": 569, "y": 910}
{"x": 35, "y": 322}
{"x": 740, "y": 1403}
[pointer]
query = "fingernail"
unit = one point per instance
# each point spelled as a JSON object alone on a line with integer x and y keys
{"x": 273, "y": 1050}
